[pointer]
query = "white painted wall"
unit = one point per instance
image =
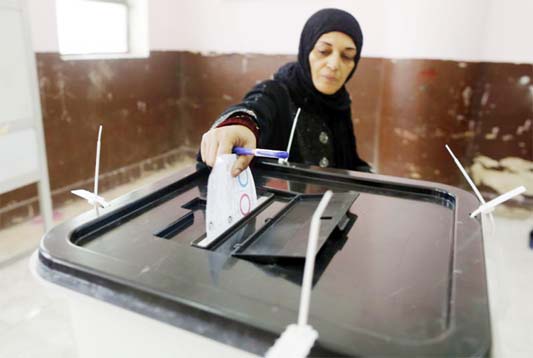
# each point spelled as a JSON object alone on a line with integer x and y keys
{"x": 43, "y": 25}
{"x": 471, "y": 30}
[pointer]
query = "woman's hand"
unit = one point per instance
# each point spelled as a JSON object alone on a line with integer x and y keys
{"x": 222, "y": 140}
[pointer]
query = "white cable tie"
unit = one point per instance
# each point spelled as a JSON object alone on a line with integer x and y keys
{"x": 93, "y": 198}
{"x": 90, "y": 197}
{"x": 283, "y": 161}
{"x": 298, "y": 339}
{"x": 465, "y": 174}
{"x": 488, "y": 207}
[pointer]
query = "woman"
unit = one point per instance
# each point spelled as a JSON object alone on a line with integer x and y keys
{"x": 330, "y": 49}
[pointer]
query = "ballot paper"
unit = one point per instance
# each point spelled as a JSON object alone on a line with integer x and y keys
{"x": 228, "y": 198}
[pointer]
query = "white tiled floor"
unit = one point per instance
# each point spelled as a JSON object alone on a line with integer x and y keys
{"x": 509, "y": 271}
{"x": 34, "y": 322}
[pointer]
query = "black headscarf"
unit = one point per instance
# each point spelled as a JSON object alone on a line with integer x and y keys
{"x": 297, "y": 75}
{"x": 336, "y": 107}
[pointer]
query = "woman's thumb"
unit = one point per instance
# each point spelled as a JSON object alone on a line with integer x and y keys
{"x": 242, "y": 162}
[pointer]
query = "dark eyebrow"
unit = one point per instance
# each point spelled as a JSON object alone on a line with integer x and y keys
{"x": 324, "y": 42}
{"x": 347, "y": 48}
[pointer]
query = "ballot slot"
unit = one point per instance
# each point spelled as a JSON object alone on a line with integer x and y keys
{"x": 277, "y": 230}
{"x": 254, "y": 223}
{"x": 196, "y": 205}
{"x": 190, "y": 225}
{"x": 263, "y": 201}
{"x": 285, "y": 236}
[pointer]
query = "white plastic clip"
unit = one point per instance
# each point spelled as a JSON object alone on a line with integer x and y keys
{"x": 93, "y": 198}
{"x": 90, "y": 197}
{"x": 488, "y": 207}
{"x": 298, "y": 339}
{"x": 485, "y": 208}
{"x": 294, "y": 122}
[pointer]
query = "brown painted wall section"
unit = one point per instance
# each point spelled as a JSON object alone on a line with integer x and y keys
{"x": 154, "y": 110}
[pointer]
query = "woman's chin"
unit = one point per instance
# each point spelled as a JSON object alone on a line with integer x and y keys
{"x": 327, "y": 89}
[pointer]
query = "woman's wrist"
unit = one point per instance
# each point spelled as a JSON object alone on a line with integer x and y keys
{"x": 243, "y": 120}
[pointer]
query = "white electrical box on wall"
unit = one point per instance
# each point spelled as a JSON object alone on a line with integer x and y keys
{"x": 22, "y": 146}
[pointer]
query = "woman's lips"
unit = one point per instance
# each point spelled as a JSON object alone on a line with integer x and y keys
{"x": 329, "y": 78}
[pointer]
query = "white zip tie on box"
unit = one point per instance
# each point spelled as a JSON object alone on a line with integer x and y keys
{"x": 498, "y": 200}
{"x": 93, "y": 198}
{"x": 485, "y": 207}
{"x": 294, "y": 122}
{"x": 298, "y": 339}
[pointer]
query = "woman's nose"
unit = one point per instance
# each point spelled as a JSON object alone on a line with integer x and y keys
{"x": 333, "y": 62}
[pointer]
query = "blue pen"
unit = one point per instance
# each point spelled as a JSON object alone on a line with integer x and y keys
{"x": 261, "y": 152}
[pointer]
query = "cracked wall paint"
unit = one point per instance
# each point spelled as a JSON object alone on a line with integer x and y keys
{"x": 503, "y": 175}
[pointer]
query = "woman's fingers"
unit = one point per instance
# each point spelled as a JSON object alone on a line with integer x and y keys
{"x": 242, "y": 162}
{"x": 225, "y": 145}
{"x": 203, "y": 145}
{"x": 212, "y": 147}
{"x": 222, "y": 140}
{"x": 247, "y": 140}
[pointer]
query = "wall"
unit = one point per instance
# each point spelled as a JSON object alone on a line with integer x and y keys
{"x": 432, "y": 73}
{"x": 474, "y": 30}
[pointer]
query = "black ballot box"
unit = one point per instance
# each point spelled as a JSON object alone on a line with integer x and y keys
{"x": 399, "y": 271}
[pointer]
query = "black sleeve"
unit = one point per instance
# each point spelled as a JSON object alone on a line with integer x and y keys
{"x": 268, "y": 103}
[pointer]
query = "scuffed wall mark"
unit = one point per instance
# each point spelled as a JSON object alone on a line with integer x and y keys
{"x": 485, "y": 96}
{"x": 507, "y": 137}
{"x": 524, "y": 80}
{"x": 467, "y": 94}
{"x": 438, "y": 133}
{"x": 531, "y": 94}
{"x": 65, "y": 116}
{"x": 517, "y": 165}
{"x": 110, "y": 96}
{"x": 244, "y": 65}
{"x": 429, "y": 73}
{"x": 61, "y": 91}
{"x": 227, "y": 97}
{"x": 141, "y": 106}
{"x": 97, "y": 85}
{"x": 44, "y": 83}
{"x": 503, "y": 175}
{"x": 493, "y": 134}
{"x": 461, "y": 135}
{"x": 524, "y": 128}
{"x": 462, "y": 65}
{"x": 405, "y": 134}
{"x": 460, "y": 118}
{"x": 99, "y": 78}
{"x": 62, "y": 95}
{"x": 414, "y": 170}
{"x": 106, "y": 71}
{"x": 487, "y": 162}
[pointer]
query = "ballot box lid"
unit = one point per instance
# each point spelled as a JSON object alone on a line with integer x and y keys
{"x": 400, "y": 272}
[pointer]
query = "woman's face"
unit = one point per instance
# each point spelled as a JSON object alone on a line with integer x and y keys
{"x": 331, "y": 61}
